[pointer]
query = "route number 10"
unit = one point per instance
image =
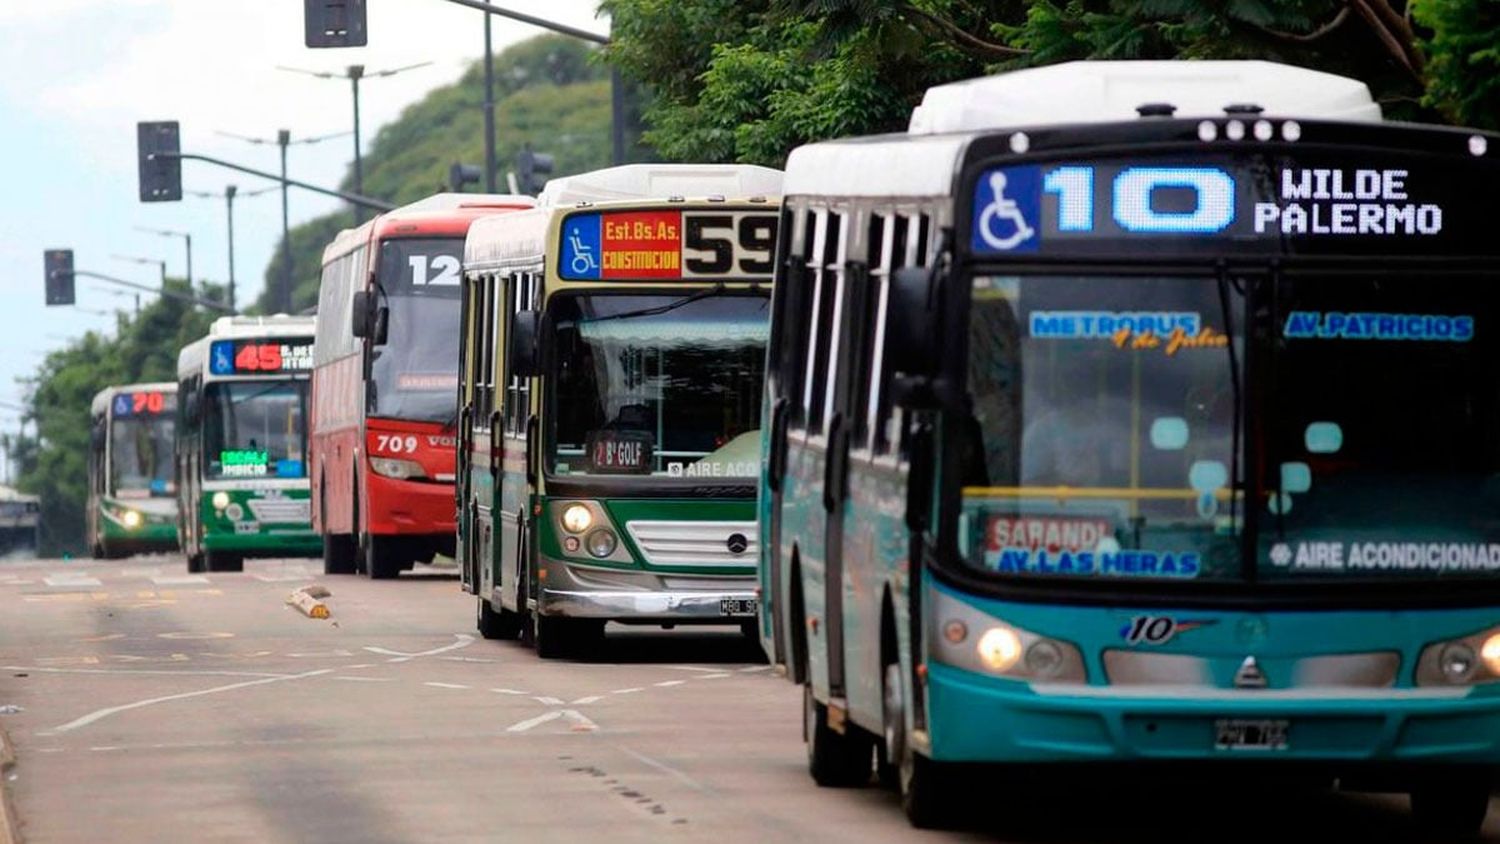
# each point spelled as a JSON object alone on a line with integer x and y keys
{"x": 1131, "y": 199}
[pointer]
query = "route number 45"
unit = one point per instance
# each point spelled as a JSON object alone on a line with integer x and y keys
{"x": 391, "y": 444}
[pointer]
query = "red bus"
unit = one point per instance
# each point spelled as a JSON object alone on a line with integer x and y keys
{"x": 384, "y": 385}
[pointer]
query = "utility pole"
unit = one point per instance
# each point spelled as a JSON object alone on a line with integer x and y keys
{"x": 185, "y": 236}
{"x": 283, "y": 140}
{"x": 490, "y": 164}
{"x": 229, "y": 195}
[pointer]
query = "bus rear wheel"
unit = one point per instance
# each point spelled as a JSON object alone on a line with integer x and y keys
{"x": 382, "y": 557}
{"x": 835, "y": 760}
{"x": 195, "y": 564}
{"x": 558, "y": 637}
{"x": 221, "y": 561}
{"x": 497, "y": 623}
{"x": 338, "y": 553}
{"x": 1451, "y": 809}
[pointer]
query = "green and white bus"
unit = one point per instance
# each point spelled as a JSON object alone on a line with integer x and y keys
{"x": 242, "y": 442}
{"x": 132, "y": 503}
{"x": 1142, "y": 414}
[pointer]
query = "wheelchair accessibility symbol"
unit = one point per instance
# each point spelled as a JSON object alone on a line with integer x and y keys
{"x": 582, "y": 248}
{"x": 1005, "y": 204}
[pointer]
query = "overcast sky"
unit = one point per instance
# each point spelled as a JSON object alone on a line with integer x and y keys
{"x": 76, "y": 76}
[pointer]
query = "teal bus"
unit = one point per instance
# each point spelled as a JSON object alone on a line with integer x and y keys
{"x": 132, "y": 503}
{"x": 1141, "y": 413}
{"x": 242, "y": 488}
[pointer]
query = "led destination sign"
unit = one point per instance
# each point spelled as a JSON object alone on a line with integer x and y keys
{"x": 667, "y": 245}
{"x": 1377, "y": 206}
{"x": 260, "y": 357}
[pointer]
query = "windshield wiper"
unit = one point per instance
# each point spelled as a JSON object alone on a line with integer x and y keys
{"x": 661, "y": 309}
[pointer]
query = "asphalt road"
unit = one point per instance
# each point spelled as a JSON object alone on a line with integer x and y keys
{"x": 162, "y": 706}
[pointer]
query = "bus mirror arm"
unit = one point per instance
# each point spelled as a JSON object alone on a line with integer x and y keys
{"x": 919, "y": 481}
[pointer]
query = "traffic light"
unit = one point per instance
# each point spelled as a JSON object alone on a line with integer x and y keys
{"x": 334, "y": 23}
{"x": 157, "y": 149}
{"x": 532, "y": 169}
{"x": 463, "y": 174}
{"x": 59, "y": 266}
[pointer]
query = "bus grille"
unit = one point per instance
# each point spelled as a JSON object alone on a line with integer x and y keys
{"x": 695, "y": 543}
{"x": 276, "y": 510}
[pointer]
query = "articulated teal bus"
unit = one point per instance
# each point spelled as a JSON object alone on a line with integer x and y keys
{"x": 242, "y": 442}
{"x": 132, "y": 504}
{"x": 1146, "y": 414}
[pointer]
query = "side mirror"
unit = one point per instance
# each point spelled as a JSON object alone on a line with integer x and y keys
{"x": 911, "y": 336}
{"x": 524, "y": 356}
{"x": 381, "y": 329}
{"x": 360, "y": 322}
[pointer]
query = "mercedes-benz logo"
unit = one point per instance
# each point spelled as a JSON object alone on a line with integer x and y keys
{"x": 737, "y": 543}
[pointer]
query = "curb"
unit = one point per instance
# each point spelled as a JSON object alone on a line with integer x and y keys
{"x": 9, "y": 834}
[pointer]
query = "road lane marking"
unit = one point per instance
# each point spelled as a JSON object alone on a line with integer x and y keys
{"x": 447, "y": 686}
{"x": 194, "y": 634}
{"x": 464, "y": 640}
{"x": 366, "y": 679}
{"x": 689, "y": 668}
{"x": 666, "y": 769}
{"x": 589, "y": 699}
{"x": 183, "y": 673}
{"x": 718, "y": 676}
{"x": 316, "y": 654}
{"x": 509, "y": 691}
{"x": 630, "y": 691}
{"x": 465, "y": 659}
{"x": 523, "y": 726}
{"x": 108, "y": 637}
{"x": 548, "y": 701}
{"x": 361, "y": 665}
{"x": 181, "y": 580}
{"x": 71, "y": 579}
{"x": 753, "y": 668}
{"x": 666, "y": 683}
{"x": 100, "y": 714}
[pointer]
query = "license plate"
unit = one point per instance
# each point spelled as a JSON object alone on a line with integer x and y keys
{"x": 1250, "y": 734}
{"x": 736, "y": 606}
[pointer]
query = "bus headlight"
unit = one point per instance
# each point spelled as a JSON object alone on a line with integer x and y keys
{"x": 576, "y": 518}
{"x": 1001, "y": 648}
{"x": 1461, "y": 662}
{"x": 221, "y": 500}
{"x": 130, "y": 519}
{"x": 602, "y": 542}
{"x": 390, "y": 467}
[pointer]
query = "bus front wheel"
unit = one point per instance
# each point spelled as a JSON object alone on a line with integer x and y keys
{"x": 220, "y": 561}
{"x": 1452, "y": 809}
{"x": 338, "y": 553}
{"x": 195, "y": 564}
{"x": 382, "y": 557}
{"x": 497, "y": 623}
{"x": 835, "y": 760}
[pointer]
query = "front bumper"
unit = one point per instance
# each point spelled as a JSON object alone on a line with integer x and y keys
{"x": 409, "y": 508}
{"x": 976, "y": 718}
{"x": 580, "y": 592}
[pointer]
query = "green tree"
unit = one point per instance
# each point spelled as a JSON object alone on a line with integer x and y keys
{"x": 53, "y": 458}
{"x": 550, "y": 93}
{"x": 748, "y": 81}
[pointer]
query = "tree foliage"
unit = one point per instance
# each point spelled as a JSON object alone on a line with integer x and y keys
{"x": 748, "y": 81}
{"x": 53, "y": 458}
{"x": 549, "y": 92}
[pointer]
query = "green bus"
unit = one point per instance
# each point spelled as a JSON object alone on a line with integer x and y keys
{"x": 132, "y": 507}
{"x": 242, "y": 442}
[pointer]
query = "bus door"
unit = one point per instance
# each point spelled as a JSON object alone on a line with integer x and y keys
{"x": 513, "y": 444}
{"x": 462, "y": 488}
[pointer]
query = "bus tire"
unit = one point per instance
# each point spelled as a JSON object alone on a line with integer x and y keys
{"x": 924, "y": 797}
{"x": 1451, "y": 809}
{"x": 338, "y": 553}
{"x": 497, "y": 624}
{"x": 221, "y": 561}
{"x": 382, "y": 557}
{"x": 559, "y": 637}
{"x": 195, "y": 564}
{"x": 835, "y": 760}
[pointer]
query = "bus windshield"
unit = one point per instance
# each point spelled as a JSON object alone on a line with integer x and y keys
{"x": 140, "y": 456}
{"x": 415, "y": 374}
{"x": 665, "y": 385}
{"x": 255, "y": 429}
{"x": 1101, "y": 437}
{"x": 1382, "y": 460}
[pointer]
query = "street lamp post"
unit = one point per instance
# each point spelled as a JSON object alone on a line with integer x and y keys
{"x": 283, "y": 301}
{"x": 229, "y": 195}
{"x": 354, "y": 73}
{"x": 188, "y": 238}
{"x": 136, "y": 259}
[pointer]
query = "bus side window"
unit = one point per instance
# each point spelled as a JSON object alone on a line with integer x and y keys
{"x": 817, "y": 393}
{"x": 877, "y": 255}
{"x": 514, "y": 300}
{"x": 797, "y": 311}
